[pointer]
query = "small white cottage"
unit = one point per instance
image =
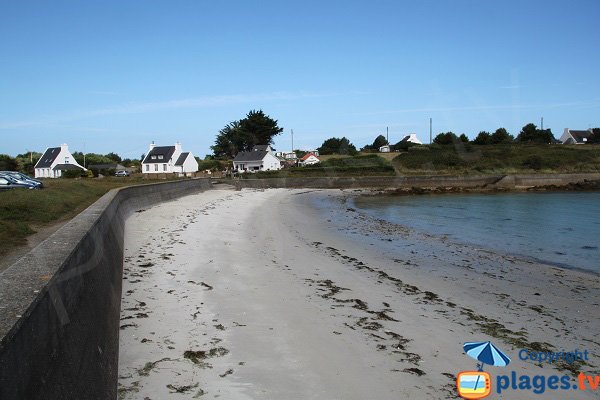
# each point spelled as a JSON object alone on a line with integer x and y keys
{"x": 411, "y": 138}
{"x": 55, "y": 161}
{"x": 309, "y": 159}
{"x": 260, "y": 158}
{"x": 168, "y": 159}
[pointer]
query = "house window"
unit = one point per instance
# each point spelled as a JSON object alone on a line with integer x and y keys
{"x": 153, "y": 157}
{"x": 147, "y": 168}
{"x": 164, "y": 167}
{"x": 160, "y": 156}
{"x": 156, "y": 167}
{"x": 66, "y": 160}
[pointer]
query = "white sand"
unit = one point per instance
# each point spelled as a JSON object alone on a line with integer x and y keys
{"x": 294, "y": 309}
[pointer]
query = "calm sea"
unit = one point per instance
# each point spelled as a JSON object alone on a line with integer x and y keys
{"x": 561, "y": 228}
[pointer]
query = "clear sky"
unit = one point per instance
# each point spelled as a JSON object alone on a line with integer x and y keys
{"x": 114, "y": 75}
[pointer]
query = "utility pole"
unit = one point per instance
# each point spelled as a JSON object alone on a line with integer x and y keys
{"x": 292, "y": 140}
{"x": 430, "y": 128}
{"x": 542, "y": 123}
{"x": 387, "y": 134}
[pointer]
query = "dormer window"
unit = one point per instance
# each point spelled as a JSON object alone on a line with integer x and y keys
{"x": 153, "y": 157}
{"x": 160, "y": 156}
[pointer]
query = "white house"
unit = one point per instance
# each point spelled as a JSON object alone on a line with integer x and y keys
{"x": 286, "y": 155}
{"x": 260, "y": 158}
{"x": 575, "y": 137}
{"x": 54, "y": 161}
{"x": 309, "y": 159}
{"x": 384, "y": 149}
{"x": 411, "y": 138}
{"x": 168, "y": 159}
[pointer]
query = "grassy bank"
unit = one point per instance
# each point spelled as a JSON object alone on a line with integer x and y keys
{"x": 22, "y": 211}
{"x": 498, "y": 159}
{"x": 363, "y": 165}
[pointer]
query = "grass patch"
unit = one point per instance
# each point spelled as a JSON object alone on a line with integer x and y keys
{"x": 499, "y": 159}
{"x": 22, "y": 211}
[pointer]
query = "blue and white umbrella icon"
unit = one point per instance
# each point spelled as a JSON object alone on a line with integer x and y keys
{"x": 486, "y": 353}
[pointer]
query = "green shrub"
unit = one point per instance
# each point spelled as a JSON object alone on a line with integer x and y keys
{"x": 73, "y": 173}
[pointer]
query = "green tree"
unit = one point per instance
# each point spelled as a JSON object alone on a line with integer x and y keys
{"x": 531, "y": 134}
{"x": 595, "y": 136}
{"x": 337, "y": 146}
{"x": 377, "y": 143}
{"x": 463, "y": 138}
{"x": 113, "y": 156}
{"x": 26, "y": 161}
{"x": 483, "y": 137}
{"x": 501, "y": 136}
{"x": 446, "y": 138}
{"x": 255, "y": 128}
{"x": 7, "y": 163}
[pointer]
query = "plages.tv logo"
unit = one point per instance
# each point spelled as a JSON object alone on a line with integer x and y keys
{"x": 478, "y": 384}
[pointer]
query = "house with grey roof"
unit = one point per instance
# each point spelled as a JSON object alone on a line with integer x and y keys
{"x": 168, "y": 159}
{"x": 571, "y": 136}
{"x": 260, "y": 158}
{"x": 55, "y": 161}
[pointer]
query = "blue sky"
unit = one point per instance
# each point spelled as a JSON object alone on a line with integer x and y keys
{"x": 114, "y": 75}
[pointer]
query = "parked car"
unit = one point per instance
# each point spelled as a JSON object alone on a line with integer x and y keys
{"x": 22, "y": 178}
{"x": 122, "y": 173}
{"x": 7, "y": 183}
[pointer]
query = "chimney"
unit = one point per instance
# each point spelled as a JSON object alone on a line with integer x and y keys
{"x": 177, "y": 147}
{"x": 151, "y": 145}
{"x": 64, "y": 147}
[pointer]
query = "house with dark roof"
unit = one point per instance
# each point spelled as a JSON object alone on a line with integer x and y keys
{"x": 571, "y": 136}
{"x": 168, "y": 159}
{"x": 55, "y": 161}
{"x": 260, "y": 158}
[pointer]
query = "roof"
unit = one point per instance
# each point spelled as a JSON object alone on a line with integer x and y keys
{"x": 65, "y": 167}
{"x": 106, "y": 166}
{"x": 307, "y": 156}
{"x": 165, "y": 151}
{"x": 182, "y": 158}
{"x": 254, "y": 155}
{"x": 261, "y": 147}
{"x": 48, "y": 157}
{"x": 580, "y": 135}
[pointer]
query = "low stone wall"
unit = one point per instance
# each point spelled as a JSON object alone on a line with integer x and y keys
{"x": 60, "y": 304}
{"x": 535, "y": 180}
{"x": 392, "y": 182}
{"x": 367, "y": 182}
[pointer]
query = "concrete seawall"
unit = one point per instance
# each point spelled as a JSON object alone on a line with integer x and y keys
{"x": 515, "y": 181}
{"x": 60, "y": 304}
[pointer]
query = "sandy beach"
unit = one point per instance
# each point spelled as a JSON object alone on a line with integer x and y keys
{"x": 292, "y": 294}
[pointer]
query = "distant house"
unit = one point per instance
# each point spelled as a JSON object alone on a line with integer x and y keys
{"x": 309, "y": 159}
{"x": 168, "y": 159}
{"x": 287, "y": 155}
{"x": 575, "y": 137}
{"x": 384, "y": 149}
{"x": 260, "y": 158}
{"x": 411, "y": 138}
{"x": 55, "y": 161}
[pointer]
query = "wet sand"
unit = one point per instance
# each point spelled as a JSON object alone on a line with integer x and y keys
{"x": 262, "y": 295}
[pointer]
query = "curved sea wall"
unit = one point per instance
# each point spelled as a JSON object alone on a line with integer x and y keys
{"x": 60, "y": 304}
{"x": 515, "y": 181}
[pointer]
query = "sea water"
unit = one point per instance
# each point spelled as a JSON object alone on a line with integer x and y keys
{"x": 559, "y": 228}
